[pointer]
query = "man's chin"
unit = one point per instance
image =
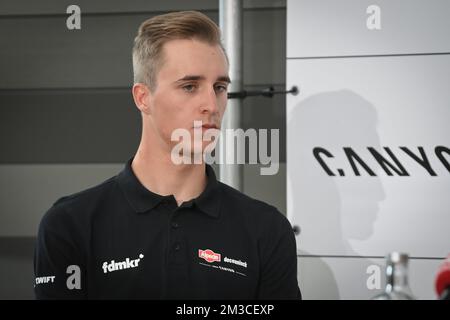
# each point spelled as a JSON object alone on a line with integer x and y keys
{"x": 193, "y": 157}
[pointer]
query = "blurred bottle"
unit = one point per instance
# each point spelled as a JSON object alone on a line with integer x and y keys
{"x": 397, "y": 287}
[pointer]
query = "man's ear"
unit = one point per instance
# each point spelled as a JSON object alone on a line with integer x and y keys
{"x": 142, "y": 97}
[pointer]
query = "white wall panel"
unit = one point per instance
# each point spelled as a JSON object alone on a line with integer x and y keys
{"x": 375, "y": 105}
{"x": 338, "y": 28}
{"x": 359, "y": 103}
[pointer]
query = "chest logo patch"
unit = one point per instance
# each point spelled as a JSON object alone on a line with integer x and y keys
{"x": 126, "y": 264}
{"x": 209, "y": 256}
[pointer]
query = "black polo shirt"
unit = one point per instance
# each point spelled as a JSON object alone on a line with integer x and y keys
{"x": 118, "y": 240}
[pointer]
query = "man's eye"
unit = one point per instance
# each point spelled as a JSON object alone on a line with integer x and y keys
{"x": 189, "y": 88}
{"x": 221, "y": 88}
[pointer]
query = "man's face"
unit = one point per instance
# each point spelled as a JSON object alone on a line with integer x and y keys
{"x": 191, "y": 86}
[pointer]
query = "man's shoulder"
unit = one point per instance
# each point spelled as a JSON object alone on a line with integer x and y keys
{"x": 248, "y": 206}
{"x": 261, "y": 219}
{"x": 78, "y": 206}
{"x": 88, "y": 195}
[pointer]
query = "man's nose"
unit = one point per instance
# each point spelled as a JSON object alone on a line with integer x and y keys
{"x": 210, "y": 102}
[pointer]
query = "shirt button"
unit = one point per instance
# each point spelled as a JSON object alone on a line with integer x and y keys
{"x": 177, "y": 247}
{"x": 175, "y": 225}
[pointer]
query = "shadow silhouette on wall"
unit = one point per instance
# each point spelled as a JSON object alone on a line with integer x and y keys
{"x": 332, "y": 210}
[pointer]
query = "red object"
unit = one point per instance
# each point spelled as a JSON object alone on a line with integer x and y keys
{"x": 443, "y": 277}
{"x": 209, "y": 255}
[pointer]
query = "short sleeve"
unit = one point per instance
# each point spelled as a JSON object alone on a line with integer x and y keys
{"x": 278, "y": 278}
{"x": 58, "y": 265}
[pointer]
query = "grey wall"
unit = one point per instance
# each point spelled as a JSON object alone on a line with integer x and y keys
{"x": 367, "y": 88}
{"x": 67, "y": 120}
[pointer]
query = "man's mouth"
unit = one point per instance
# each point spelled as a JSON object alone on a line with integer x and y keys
{"x": 206, "y": 126}
{"x": 209, "y": 126}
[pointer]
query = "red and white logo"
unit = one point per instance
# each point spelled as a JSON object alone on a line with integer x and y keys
{"x": 209, "y": 255}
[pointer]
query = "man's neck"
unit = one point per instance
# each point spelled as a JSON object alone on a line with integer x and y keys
{"x": 160, "y": 175}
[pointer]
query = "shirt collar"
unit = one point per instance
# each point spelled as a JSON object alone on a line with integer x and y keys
{"x": 143, "y": 200}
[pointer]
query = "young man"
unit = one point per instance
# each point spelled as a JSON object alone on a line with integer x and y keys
{"x": 160, "y": 229}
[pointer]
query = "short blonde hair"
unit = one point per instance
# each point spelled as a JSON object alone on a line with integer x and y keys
{"x": 154, "y": 32}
